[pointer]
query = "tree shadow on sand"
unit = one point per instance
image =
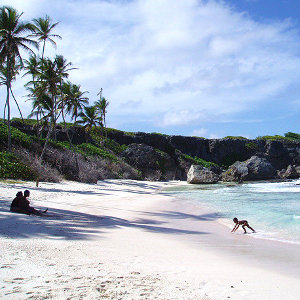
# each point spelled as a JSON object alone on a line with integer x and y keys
{"x": 72, "y": 225}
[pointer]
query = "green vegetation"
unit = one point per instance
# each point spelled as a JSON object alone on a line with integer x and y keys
{"x": 11, "y": 167}
{"x": 272, "y": 137}
{"x": 52, "y": 96}
{"x": 252, "y": 146}
{"x": 17, "y": 136}
{"x": 162, "y": 153}
{"x": 199, "y": 161}
{"x": 235, "y": 137}
{"x": 31, "y": 122}
{"x": 292, "y": 135}
{"x": 157, "y": 133}
{"x": 91, "y": 150}
{"x": 115, "y": 146}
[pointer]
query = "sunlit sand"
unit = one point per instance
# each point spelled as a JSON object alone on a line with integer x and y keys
{"x": 125, "y": 239}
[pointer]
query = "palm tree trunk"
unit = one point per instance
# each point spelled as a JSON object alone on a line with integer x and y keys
{"x": 49, "y": 131}
{"x": 71, "y": 144}
{"x": 17, "y": 104}
{"x": 46, "y": 143}
{"x": 7, "y": 102}
{"x": 104, "y": 121}
{"x": 66, "y": 130}
{"x": 54, "y": 119}
{"x": 43, "y": 49}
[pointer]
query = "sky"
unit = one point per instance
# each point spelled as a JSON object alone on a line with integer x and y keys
{"x": 180, "y": 67}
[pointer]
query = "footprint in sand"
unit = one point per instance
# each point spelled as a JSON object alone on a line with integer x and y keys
{"x": 135, "y": 273}
{"x": 18, "y": 279}
{"x": 6, "y": 267}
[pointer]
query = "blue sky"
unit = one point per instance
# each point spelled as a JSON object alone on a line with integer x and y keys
{"x": 187, "y": 67}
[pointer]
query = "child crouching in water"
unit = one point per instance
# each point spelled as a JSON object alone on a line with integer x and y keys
{"x": 244, "y": 224}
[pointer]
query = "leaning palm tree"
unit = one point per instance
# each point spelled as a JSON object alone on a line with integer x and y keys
{"x": 43, "y": 29}
{"x": 14, "y": 36}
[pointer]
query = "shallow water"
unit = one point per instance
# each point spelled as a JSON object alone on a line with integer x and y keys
{"x": 271, "y": 208}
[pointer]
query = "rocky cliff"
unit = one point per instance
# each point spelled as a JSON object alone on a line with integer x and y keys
{"x": 162, "y": 157}
{"x": 224, "y": 152}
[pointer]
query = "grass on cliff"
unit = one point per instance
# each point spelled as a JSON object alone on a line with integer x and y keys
{"x": 289, "y": 136}
{"x": 199, "y": 161}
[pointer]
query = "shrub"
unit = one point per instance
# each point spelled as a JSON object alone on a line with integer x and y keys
{"x": 272, "y": 137}
{"x": 251, "y": 146}
{"x": 235, "y": 137}
{"x": 43, "y": 171}
{"x": 12, "y": 167}
{"x": 30, "y": 122}
{"x": 157, "y": 133}
{"x": 292, "y": 135}
{"x": 115, "y": 146}
{"x": 199, "y": 161}
{"x": 17, "y": 136}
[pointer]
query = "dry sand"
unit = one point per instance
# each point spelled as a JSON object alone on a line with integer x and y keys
{"x": 124, "y": 239}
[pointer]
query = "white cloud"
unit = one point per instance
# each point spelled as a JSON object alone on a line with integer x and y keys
{"x": 181, "y": 117}
{"x": 185, "y": 60}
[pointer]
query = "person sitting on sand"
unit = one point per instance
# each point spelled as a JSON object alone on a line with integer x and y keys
{"x": 244, "y": 224}
{"x": 29, "y": 208}
{"x": 21, "y": 205}
{"x": 18, "y": 205}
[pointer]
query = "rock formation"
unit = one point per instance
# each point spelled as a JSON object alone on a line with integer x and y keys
{"x": 201, "y": 175}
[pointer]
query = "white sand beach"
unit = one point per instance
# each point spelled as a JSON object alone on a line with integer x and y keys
{"x": 125, "y": 239}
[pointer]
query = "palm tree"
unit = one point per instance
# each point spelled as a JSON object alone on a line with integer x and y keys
{"x": 32, "y": 66}
{"x": 43, "y": 29}
{"x": 13, "y": 37}
{"x": 48, "y": 83}
{"x": 101, "y": 106}
{"x": 41, "y": 107}
{"x": 62, "y": 69}
{"x": 74, "y": 99}
{"x": 3, "y": 81}
{"x": 50, "y": 75}
{"x": 89, "y": 118}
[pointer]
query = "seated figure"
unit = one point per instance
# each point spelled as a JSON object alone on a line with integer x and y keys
{"x": 21, "y": 205}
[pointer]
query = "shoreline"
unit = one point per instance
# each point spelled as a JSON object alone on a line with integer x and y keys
{"x": 126, "y": 239}
{"x": 257, "y": 250}
{"x": 273, "y": 234}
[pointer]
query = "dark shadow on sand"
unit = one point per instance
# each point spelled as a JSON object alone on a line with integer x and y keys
{"x": 71, "y": 225}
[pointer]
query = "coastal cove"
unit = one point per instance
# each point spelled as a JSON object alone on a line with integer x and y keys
{"x": 133, "y": 240}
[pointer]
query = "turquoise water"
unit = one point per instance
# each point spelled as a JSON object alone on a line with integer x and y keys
{"x": 272, "y": 209}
